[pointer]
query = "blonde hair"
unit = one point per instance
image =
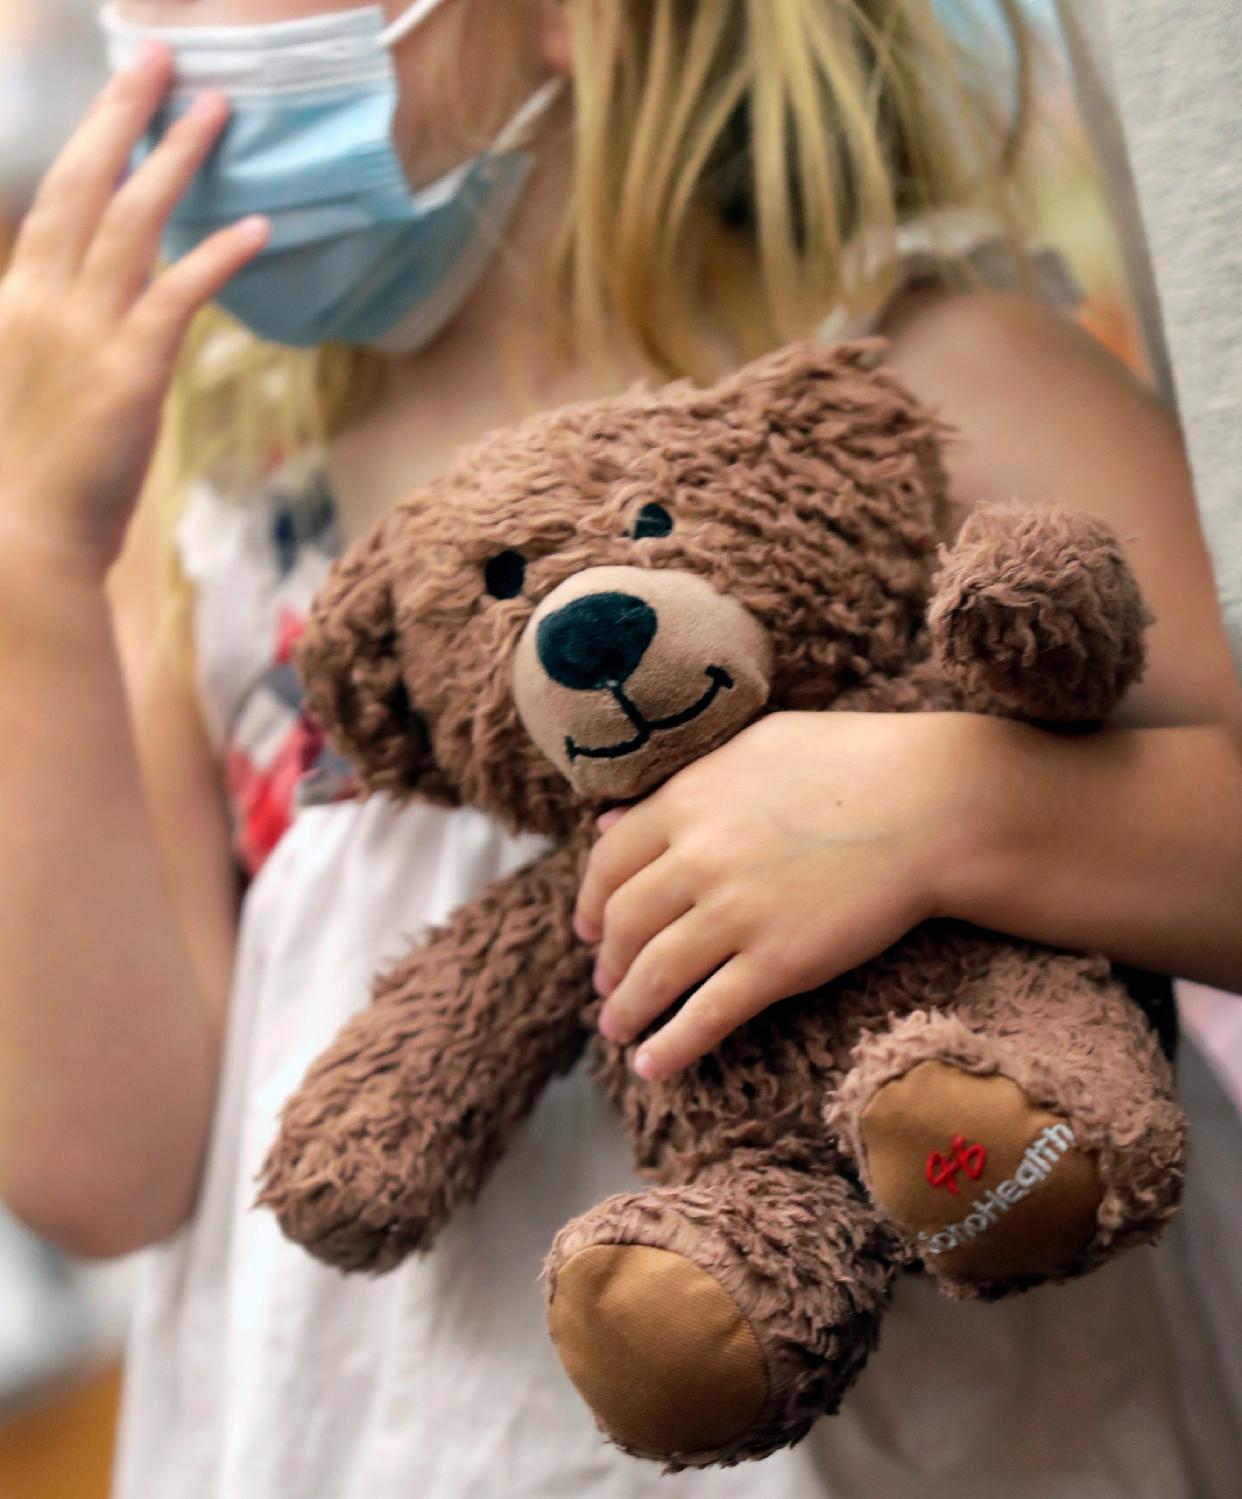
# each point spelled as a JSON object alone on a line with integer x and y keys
{"x": 802, "y": 128}
{"x": 752, "y": 147}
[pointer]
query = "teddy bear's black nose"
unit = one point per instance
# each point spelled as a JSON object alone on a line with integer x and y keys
{"x": 596, "y": 641}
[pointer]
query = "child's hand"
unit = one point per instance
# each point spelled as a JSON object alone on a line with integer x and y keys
{"x": 803, "y": 847}
{"x": 86, "y": 344}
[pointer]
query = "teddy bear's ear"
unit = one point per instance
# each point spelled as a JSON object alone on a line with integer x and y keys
{"x": 349, "y": 659}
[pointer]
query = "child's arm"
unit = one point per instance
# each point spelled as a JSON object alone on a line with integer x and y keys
{"x": 1129, "y": 841}
{"x": 108, "y": 1029}
{"x": 108, "y": 1017}
{"x": 181, "y": 770}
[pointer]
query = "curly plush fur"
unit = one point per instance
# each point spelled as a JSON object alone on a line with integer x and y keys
{"x": 808, "y": 490}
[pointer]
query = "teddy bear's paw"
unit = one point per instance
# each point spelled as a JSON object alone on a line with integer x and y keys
{"x": 659, "y": 1350}
{"x": 715, "y": 1322}
{"x": 349, "y": 1209}
{"x": 993, "y": 1192}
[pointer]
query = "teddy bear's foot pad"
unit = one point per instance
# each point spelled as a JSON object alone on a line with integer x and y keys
{"x": 661, "y": 1353}
{"x": 990, "y": 1188}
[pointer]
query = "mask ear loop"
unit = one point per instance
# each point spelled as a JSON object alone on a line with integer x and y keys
{"x": 515, "y": 132}
{"x": 414, "y": 16}
{"x": 529, "y": 113}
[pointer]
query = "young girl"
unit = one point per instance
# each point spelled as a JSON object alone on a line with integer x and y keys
{"x": 710, "y": 177}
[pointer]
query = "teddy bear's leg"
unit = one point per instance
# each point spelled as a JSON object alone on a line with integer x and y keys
{"x": 716, "y": 1321}
{"x": 1026, "y": 1134}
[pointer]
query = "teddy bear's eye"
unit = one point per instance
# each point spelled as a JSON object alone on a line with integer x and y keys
{"x": 653, "y": 520}
{"x": 504, "y": 574}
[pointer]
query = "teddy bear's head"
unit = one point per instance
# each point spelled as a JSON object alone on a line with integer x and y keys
{"x": 587, "y": 602}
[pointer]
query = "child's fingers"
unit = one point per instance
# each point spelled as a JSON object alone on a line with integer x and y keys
{"x": 119, "y": 261}
{"x": 72, "y": 197}
{"x": 624, "y": 849}
{"x": 673, "y": 962}
{"x": 739, "y": 991}
{"x": 164, "y": 311}
{"x": 636, "y": 913}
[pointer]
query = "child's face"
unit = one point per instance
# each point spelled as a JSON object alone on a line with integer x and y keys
{"x": 446, "y": 112}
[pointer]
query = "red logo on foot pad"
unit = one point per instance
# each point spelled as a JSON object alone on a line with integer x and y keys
{"x": 942, "y": 1171}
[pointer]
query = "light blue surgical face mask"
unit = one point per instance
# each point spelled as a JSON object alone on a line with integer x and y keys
{"x": 355, "y": 254}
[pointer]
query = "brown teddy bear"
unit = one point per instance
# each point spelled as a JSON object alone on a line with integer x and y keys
{"x": 581, "y": 607}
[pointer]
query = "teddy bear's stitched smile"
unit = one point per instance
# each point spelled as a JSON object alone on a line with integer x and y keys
{"x": 646, "y": 727}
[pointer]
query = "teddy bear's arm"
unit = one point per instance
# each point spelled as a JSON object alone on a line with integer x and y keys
{"x": 404, "y": 1115}
{"x": 1036, "y": 615}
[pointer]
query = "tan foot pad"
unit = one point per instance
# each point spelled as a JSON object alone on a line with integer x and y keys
{"x": 989, "y": 1186}
{"x": 658, "y": 1350}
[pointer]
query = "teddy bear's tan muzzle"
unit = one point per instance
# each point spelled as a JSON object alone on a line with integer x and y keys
{"x": 625, "y": 674}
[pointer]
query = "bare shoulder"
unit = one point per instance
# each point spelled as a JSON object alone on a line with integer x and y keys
{"x": 1038, "y": 404}
{"x": 1043, "y": 413}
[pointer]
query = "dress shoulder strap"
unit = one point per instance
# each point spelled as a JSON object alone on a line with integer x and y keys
{"x": 929, "y": 246}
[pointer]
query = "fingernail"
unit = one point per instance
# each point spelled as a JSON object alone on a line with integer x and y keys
{"x": 256, "y": 227}
{"x": 208, "y": 104}
{"x": 607, "y": 820}
{"x": 608, "y": 1027}
{"x": 604, "y": 982}
{"x": 645, "y": 1065}
{"x": 149, "y": 52}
